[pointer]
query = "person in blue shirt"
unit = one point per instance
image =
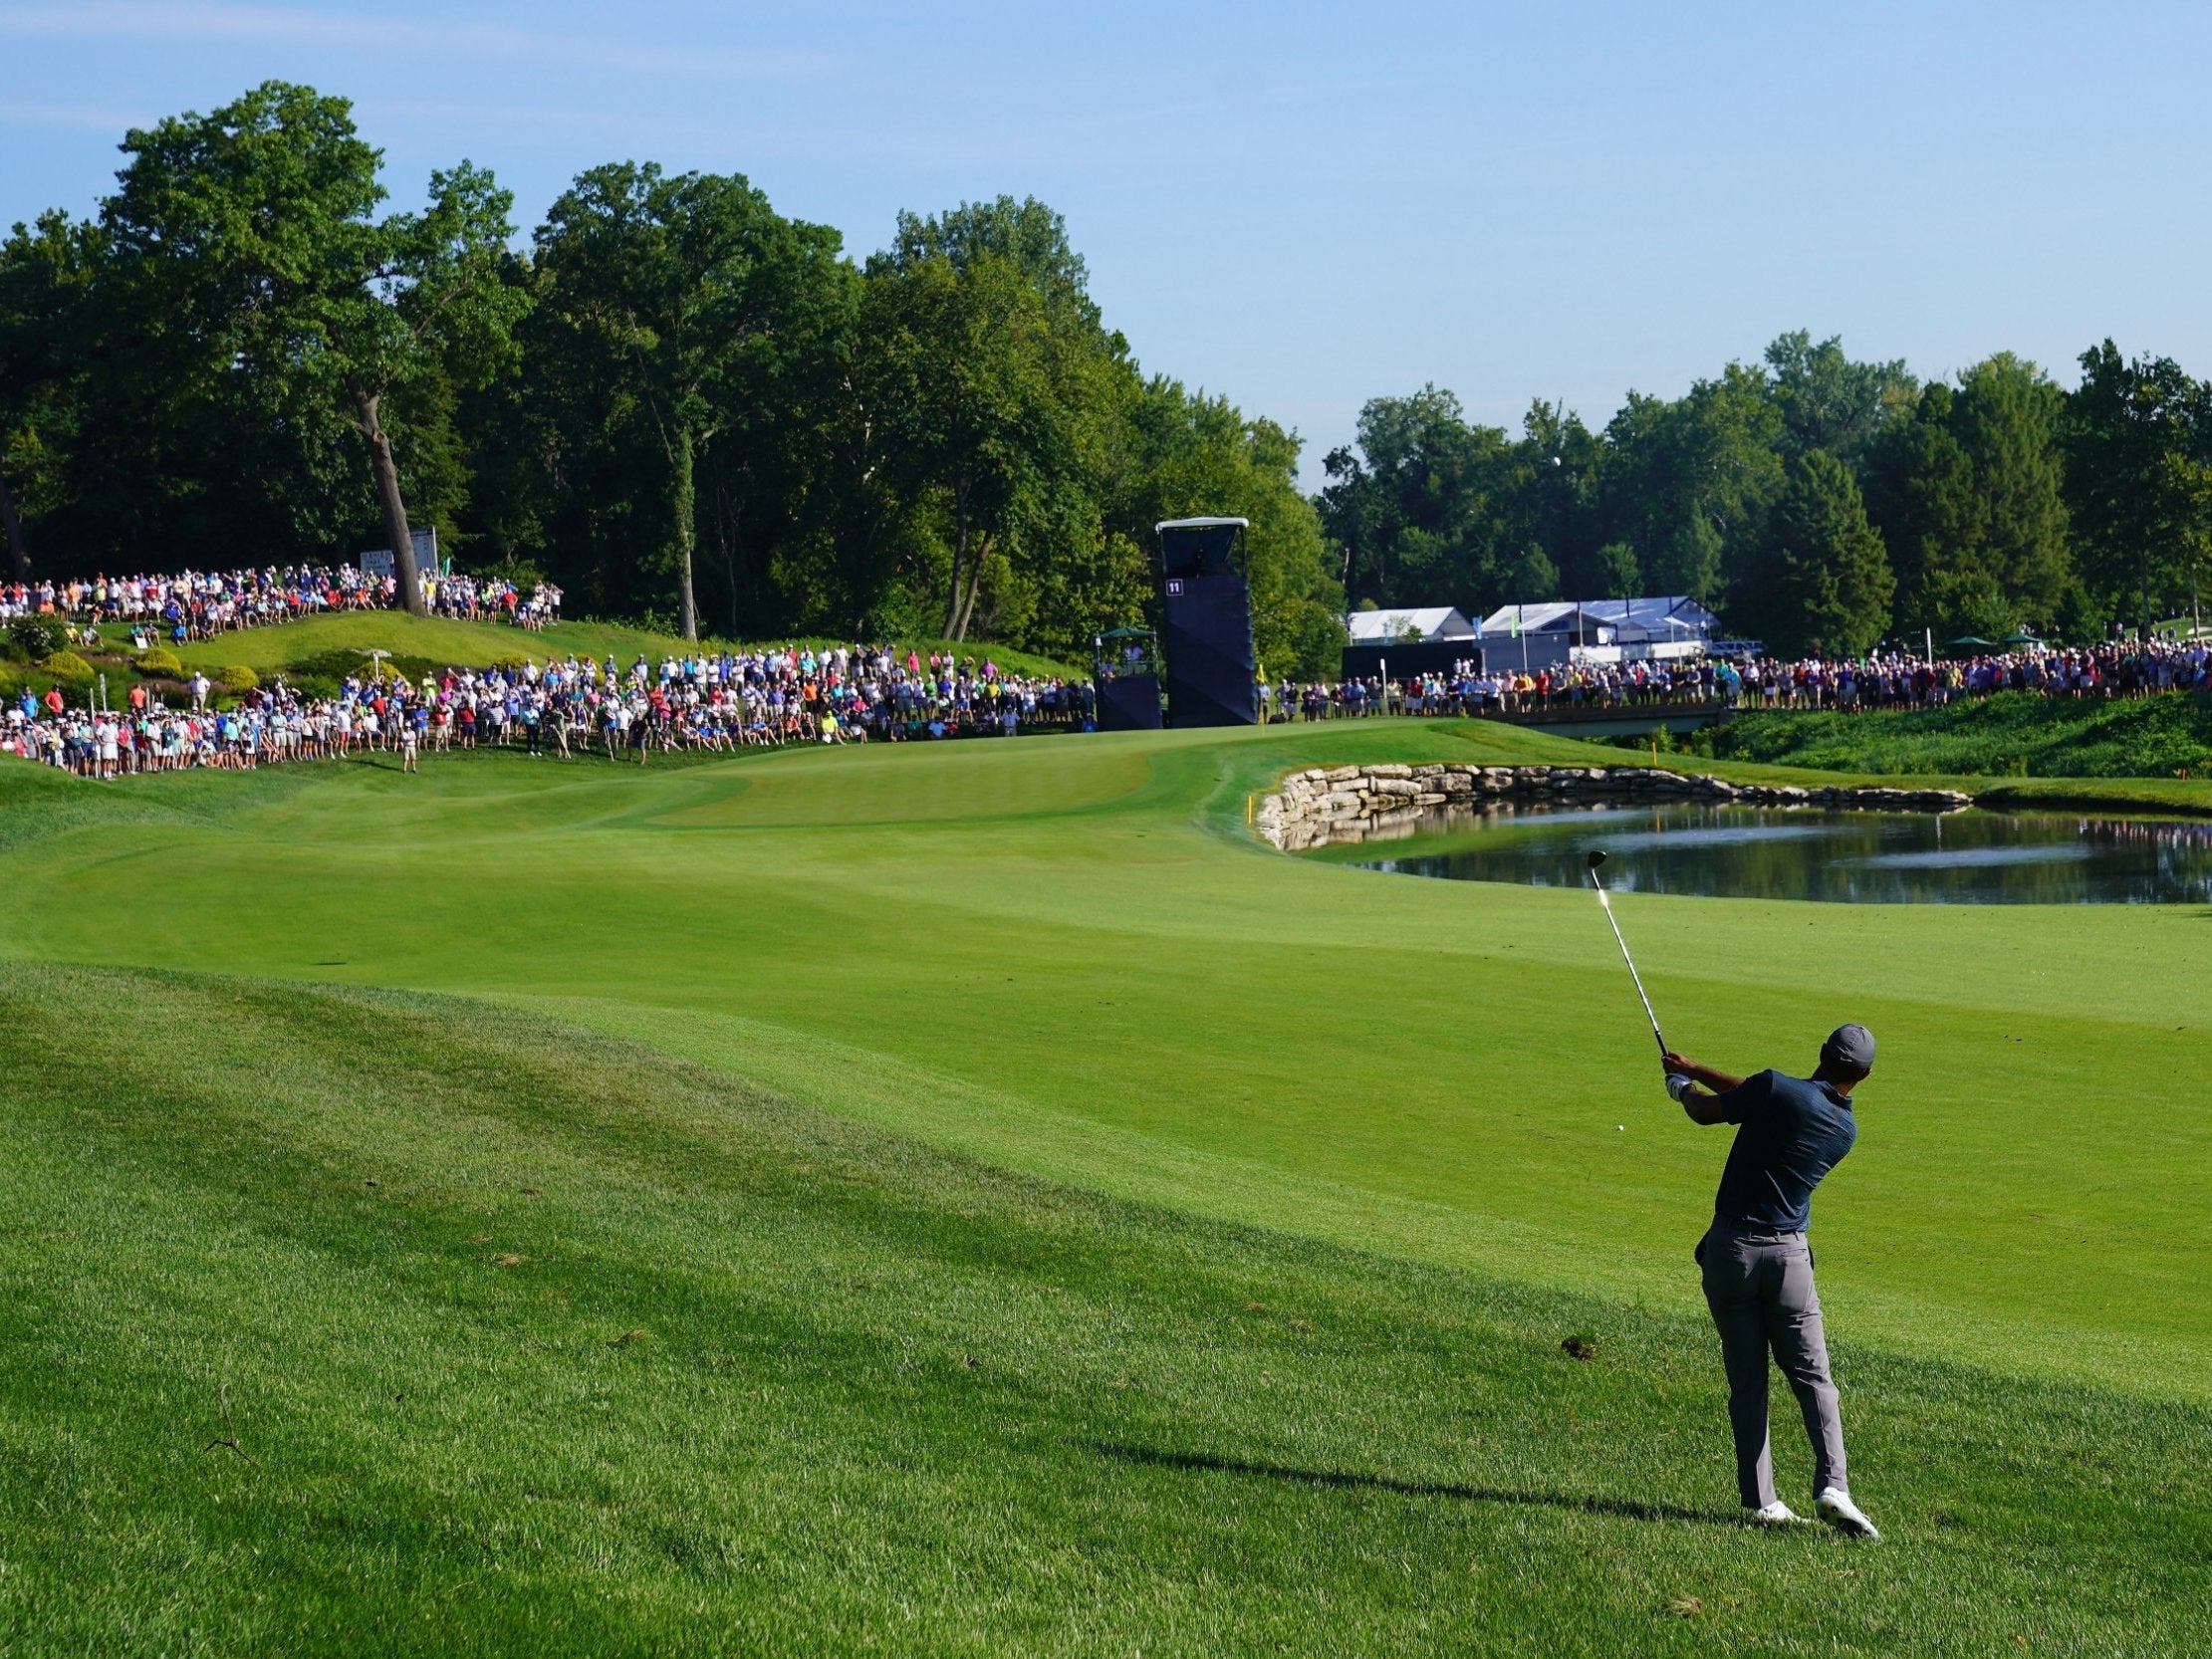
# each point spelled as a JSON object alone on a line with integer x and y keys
{"x": 1758, "y": 1267}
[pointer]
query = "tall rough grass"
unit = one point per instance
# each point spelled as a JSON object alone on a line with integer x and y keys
{"x": 2014, "y": 734}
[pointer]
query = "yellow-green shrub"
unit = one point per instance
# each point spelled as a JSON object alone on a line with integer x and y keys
{"x": 162, "y": 662}
{"x": 238, "y": 677}
{"x": 68, "y": 668}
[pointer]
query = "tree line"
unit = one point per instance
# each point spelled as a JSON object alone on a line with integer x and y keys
{"x": 1820, "y": 503}
{"x": 687, "y": 408}
{"x": 675, "y": 402}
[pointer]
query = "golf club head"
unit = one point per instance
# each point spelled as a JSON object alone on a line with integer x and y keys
{"x": 1595, "y": 859}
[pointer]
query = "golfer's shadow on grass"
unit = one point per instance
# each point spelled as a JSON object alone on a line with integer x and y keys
{"x": 1202, "y": 1462}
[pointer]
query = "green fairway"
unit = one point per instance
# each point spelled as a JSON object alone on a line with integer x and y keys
{"x": 716, "y": 1013}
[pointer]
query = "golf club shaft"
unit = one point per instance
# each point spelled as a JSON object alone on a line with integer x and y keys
{"x": 1605, "y": 902}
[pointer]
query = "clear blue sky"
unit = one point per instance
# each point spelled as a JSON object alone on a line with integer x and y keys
{"x": 1306, "y": 206}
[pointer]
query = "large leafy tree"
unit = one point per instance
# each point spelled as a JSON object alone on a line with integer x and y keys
{"x": 1971, "y": 503}
{"x": 255, "y": 227}
{"x": 981, "y": 433}
{"x": 2007, "y": 418}
{"x": 45, "y": 276}
{"x": 2137, "y": 434}
{"x": 705, "y": 306}
{"x": 11, "y": 527}
{"x": 136, "y": 424}
{"x": 1549, "y": 536}
{"x": 1004, "y": 390}
{"x": 1688, "y": 485}
{"x": 1413, "y": 511}
{"x": 1828, "y": 401}
{"x": 838, "y": 568}
{"x": 1831, "y": 585}
{"x": 1930, "y": 511}
{"x": 1026, "y": 235}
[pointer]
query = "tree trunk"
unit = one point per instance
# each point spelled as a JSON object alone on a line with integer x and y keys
{"x": 393, "y": 505}
{"x": 975, "y": 586}
{"x": 19, "y": 556}
{"x": 959, "y": 565}
{"x": 682, "y": 504}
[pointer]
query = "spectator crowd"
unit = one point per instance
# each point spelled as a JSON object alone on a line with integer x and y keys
{"x": 772, "y": 696}
{"x": 719, "y": 702}
{"x": 199, "y": 605}
{"x": 1894, "y": 680}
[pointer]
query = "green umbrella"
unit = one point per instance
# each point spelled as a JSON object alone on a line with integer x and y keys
{"x": 2022, "y": 640}
{"x": 1970, "y": 639}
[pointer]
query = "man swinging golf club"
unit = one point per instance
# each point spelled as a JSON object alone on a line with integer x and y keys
{"x": 1790, "y": 1132}
{"x": 1758, "y": 1268}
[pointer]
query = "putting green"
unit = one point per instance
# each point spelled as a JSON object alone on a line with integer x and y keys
{"x": 1068, "y": 957}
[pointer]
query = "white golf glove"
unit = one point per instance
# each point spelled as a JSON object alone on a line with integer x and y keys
{"x": 1677, "y": 1085}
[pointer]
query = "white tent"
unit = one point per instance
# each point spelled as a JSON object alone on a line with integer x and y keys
{"x": 1670, "y": 619}
{"x": 1389, "y": 627}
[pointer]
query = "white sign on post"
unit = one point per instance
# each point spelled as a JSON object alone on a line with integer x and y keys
{"x": 379, "y": 564}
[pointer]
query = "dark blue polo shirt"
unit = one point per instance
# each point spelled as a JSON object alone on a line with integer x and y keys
{"x": 1791, "y": 1132}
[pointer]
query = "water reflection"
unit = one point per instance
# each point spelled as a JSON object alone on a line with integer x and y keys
{"x": 1843, "y": 857}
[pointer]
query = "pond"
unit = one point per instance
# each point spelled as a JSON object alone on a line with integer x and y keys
{"x": 1843, "y": 857}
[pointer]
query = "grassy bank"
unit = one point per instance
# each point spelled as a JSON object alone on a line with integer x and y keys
{"x": 320, "y": 650}
{"x": 442, "y": 640}
{"x": 2015, "y": 734}
{"x": 973, "y": 1198}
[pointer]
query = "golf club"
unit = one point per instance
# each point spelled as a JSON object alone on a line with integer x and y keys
{"x": 1605, "y": 902}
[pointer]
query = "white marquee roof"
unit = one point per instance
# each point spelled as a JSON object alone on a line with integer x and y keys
{"x": 1382, "y": 627}
{"x": 1663, "y": 616}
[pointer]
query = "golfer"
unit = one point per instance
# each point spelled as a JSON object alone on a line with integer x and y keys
{"x": 1758, "y": 1268}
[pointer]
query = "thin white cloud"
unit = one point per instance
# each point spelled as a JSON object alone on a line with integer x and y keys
{"x": 77, "y": 117}
{"x": 121, "y": 20}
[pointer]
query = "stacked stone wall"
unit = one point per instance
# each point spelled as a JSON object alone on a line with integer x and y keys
{"x": 1325, "y": 805}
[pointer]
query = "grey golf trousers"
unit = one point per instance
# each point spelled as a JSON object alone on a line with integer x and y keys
{"x": 1760, "y": 1289}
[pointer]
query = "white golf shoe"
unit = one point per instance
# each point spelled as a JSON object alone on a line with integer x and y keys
{"x": 1776, "y": 1513}
{"x": 1838, "y": 1509}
